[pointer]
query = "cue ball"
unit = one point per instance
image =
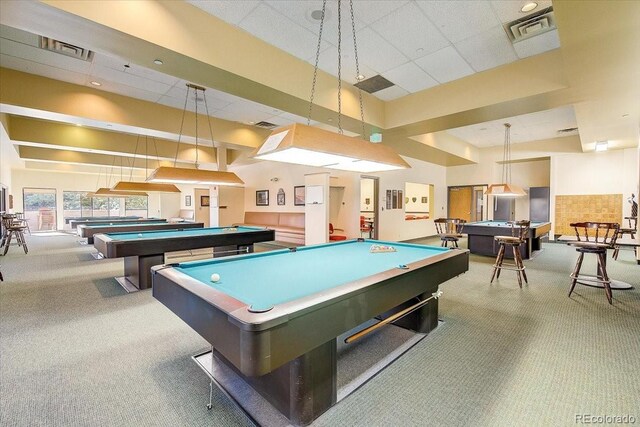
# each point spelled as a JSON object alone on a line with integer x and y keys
{"x": 215, "y": 277}
{"x": 139, "y": 234}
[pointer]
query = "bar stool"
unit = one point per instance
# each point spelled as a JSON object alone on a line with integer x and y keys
{"x": 631, "y": 231}
{"x": 20, "y": 216}
{"x": 14, "y": 227}
{"x": 594, "y": 238}
{"x": 450, "y": 230}
{"x": 519, "y": 233}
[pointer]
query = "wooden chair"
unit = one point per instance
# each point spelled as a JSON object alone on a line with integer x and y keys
{"x": 594, "y": 238}
{"x": 450, "y": 230}
{"x": 335, "y": 237}
{"x": 13, "y": 227}
{"x": 631, "y": 231}
{"x": 519, "y": 233}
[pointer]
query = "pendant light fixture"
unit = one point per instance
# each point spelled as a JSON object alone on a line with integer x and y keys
{"x": 164, "y": 174}
{"x": 141, "y": 185}
{"x": 311, "y": 146}
{"x": 506, "y": 188}
{"x": 108, "y": 192}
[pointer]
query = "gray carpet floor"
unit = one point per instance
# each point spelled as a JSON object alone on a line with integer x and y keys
{"x": 76, "y": 350}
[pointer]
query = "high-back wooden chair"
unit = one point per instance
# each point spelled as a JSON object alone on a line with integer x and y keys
{"x": 449, "y": 230}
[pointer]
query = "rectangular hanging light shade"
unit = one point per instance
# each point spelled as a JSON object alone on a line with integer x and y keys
{"x": 109, "y": 192}
{"x": 145, "y": 186}
{"x": 311, "y": 146}
{"x": 505, "y": 190}
{"x": 193, "y": 176}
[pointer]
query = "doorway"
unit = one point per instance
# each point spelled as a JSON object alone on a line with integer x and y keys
{"x": 39, "y": 206}
{"x": 202, "y": 206}
{"x": 369, "y": 223}
{"x": 467, "y": 202}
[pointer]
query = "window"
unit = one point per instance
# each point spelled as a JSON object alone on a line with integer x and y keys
{"x": 40, "y": 208}
{"x": 136, "y": 205}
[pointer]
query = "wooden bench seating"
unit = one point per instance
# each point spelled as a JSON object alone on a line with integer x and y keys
{"x": 289, "y": 226}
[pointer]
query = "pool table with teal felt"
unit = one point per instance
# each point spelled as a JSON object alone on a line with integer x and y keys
{"x": 142, "y": 250}
{"x": 273, "y": 317}
{"x": 110, "y": 221}
{"x": 88, "y": 231}
{"x": 481, "y": 237}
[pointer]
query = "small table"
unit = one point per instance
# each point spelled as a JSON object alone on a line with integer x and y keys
{"x": 625, "y": 242}
{"x": 273, "y": 317}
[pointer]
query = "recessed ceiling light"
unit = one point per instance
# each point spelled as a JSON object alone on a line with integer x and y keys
{"x": 95, "y": 83}
{"x": 78, "y": 124}
{"x": 158, "y": 61}
{"x": 329, "y": 119}
{"x": 528, "y": 7}
{"x": 625, "y": 115}
{"x": 360, "y": 77}
{"x": 252, "y": 123}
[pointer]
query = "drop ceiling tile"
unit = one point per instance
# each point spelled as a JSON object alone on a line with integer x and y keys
{"x": 538, "y": 44}
{"x": 130, "y": 91}
{"x": 41, "y": 56}
{"x": 410, "y": 77}
{"x": 31, "y": 67}
{"x": 230, "y": 11}
{"x": 335, "y": 129}
{"x": 371, "y": 12}
{"x": 243, "y": 116}
{"x": 409, "y": 30}
{"x": 279, "y": 31}
{"x": 19, "y": 36}
{"x": 328, "y": 62}
{"x": 390, "y": 93}
{"x": 459, "y": 20}
{"x": 376, "y": 53}
{"x": 509, "y": 10}
{"x": 300, "y": 12}
{"x": 118, "y": 64}
{"x": 103, "y": 74}
{"x": 445, "y": 65}
{"x": 487, "y": 50}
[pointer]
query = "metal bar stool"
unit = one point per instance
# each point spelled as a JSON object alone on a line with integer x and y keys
{"x": 519, "y": 233}
{"x": 594, "y": 238}
{"x": 450, "y": 230}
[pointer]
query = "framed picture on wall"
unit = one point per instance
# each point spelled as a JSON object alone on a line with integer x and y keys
{"x": 262, "y": 198}
{"x": 187, "y": 200}
{"x": 280, "y": 197}
{"x": 298, "y": 195}
{"x": 204, "y": 201}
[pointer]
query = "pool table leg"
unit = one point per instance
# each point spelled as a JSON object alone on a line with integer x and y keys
{"x": 137, "y": 269}
{"x": 302, "y": 389}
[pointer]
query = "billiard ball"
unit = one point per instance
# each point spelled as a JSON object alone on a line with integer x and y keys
{"x": 215, "y": 277}
{"x": 139, "y": 234}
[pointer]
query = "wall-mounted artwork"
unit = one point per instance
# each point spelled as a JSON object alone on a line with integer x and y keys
{"x": 262, "y": 198}
{"x": 280, "y": 197}
{"x": 204, "y": 201}
{"x": 298, "y": 195}
{"x": 187, "y": 200}
{"x": 417, "y": 201}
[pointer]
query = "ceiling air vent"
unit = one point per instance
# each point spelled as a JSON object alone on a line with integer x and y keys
{"x": 265, "y": 125}
{"x": 66, "y": 49}
{"x": 531, "y": 25}
{"x": 374, "y": 84}
{"x": 567, "y": 130}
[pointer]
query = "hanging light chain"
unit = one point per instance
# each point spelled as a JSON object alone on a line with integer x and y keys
{"x": 355, "y": 54}
{"x": 206, "y": 108}
{"x": 184, "y": 112}
{"x": 134, "y": 159}
{"x": 315, "y": 68}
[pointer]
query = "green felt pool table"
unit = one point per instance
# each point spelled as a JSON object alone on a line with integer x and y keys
{"x": 144, "y": 249}
{"x": 481, "y": 237}
{"x": 273, "y": 317}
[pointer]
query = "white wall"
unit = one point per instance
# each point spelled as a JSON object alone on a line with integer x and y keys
{"x": 9, "y": 160}
{"x": 366, "y": 192}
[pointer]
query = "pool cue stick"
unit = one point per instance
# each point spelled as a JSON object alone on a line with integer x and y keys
{"x": 390, "y": 319}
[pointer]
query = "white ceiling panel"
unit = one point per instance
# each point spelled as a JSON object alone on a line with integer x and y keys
{"x": 380, "y": 54}
{"x": 118, "y": 64}
{"x": 445, "y": 65}
{"x": 41, "y": 56}
{"x": 242, "y": 115}
{"x": 538, "y": 44}
{"x": 459, "y": 20}
{"x": 390, "y": 93}
{"x": 527, "y": 127}
{"x": 487, "y": 50}
{"x": 509, "y": 10}
{"x": 369, "y": 12}
{"x": 42, "y": 70}
{"x": 230, "y": 11}
{"x": 409, "y": 30}
{"x": 410, "y": 77}
{"x": 269, "y": 25}
{"x": 130, "y": 91}
{"x": 102, "y": 74}
{"x": 329, "y": 63}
